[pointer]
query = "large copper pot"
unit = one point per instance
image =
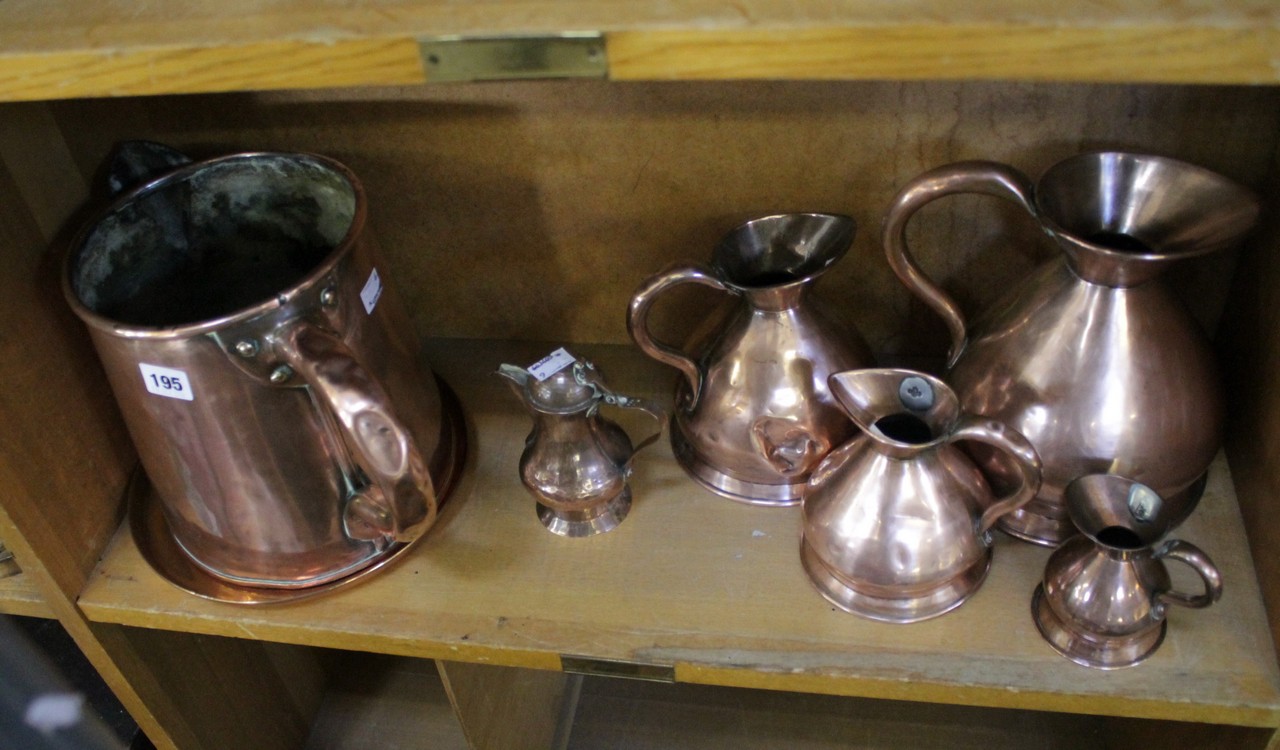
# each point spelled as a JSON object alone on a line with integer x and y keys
{"x": 1092, "y": 358}
{"x": 265, "y": 369}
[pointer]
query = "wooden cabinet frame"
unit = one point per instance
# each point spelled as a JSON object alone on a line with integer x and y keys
{"x": 543, "y": 204}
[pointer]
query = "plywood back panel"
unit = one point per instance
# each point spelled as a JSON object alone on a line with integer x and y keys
{"x": 533, "y": 210}
{"x": 1250, "y": 347}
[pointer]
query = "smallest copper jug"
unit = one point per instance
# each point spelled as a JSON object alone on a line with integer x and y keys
{"x": 1106, "y": 591}
{"x": 575, "y": 462}
{"x": 897, "y": 521}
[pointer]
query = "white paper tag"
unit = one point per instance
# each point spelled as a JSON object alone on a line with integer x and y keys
{"x": 371, "y": 292}
{"x": 167, "y": 382}
{"x": 551, "y": 364}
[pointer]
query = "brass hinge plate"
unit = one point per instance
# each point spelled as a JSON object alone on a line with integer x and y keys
{"x": 614, "y": 668}
{"x": 569, "y": 55}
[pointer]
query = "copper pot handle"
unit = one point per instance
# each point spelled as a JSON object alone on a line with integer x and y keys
{"x": 401, "y": 502}
{"x": 1186, "y": 552}
{"x": 638, "y": 321}
{"x": 985, "y": 177}
{"x": 1004, "y": 438}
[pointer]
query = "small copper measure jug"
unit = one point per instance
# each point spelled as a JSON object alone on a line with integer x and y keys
{"x": 897, "y": 521}
{"x": 1105, "y": 595}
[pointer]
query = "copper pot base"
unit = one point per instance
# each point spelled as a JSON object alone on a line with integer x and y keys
{"x": 1092, "y": 649}
{"x": 902, "y": 610}
{"x": 162, "y": 552}
{"x": 721, "y": 483}
{"x": 580, "y": 523}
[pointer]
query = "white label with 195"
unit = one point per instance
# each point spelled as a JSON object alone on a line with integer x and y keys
{"x": 167, "y": 382}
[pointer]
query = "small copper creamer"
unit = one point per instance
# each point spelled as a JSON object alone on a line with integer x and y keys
{"x": 576, "y": 463}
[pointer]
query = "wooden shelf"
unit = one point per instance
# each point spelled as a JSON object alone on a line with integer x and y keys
{"x": 378, "y": 702}
{"x": 19, "y": 596}
{"x": 715, "y": 589}
{"x": 647, "y": 716}
{"x": 77, "y": 48}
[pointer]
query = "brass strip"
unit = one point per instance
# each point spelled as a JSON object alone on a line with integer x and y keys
{"x": 569, "y": 55}
{"x": 615, "y": 668}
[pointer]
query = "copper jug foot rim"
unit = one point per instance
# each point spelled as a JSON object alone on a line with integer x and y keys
{"x": 1042, "y": 531}
{"x": 598, "y": 519}
{"x": 725, "y": 485}
{"x": 901, "y": 611}
{"x": 157, "y": 545}
{"x": 1091, "y": 649}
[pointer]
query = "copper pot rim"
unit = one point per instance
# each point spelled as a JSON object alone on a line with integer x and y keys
{"x": 282, "y": 298}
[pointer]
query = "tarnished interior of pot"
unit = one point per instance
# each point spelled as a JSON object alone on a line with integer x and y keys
{"x": 213, "y": 239}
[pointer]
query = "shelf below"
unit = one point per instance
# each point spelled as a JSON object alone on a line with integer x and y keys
{"x": 384, "y": 703}
{"x": 715, "y": 590}
{"x": 646, "y": 716}
{"x": 60, "y": 49}
{"x": 19, "y": 596}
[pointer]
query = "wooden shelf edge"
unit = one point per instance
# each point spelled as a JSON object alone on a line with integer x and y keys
{"x": 20, "y": 596}
{"x": 302, "y": 58}
{"x": 1138, "y": 53}
{"x": 479, "y": 592}
{"x": 178, "y": 69}
{"x": 981, "y": 696}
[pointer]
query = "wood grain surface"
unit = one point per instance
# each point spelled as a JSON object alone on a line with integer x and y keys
{"x": 534, "y": 210}
{"x": 715, "y": 589}
{"x": 19, "y": 595}
{"x": 69, "y": 48}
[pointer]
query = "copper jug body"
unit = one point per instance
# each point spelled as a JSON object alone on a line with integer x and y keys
{"x": 264, "y": 367}
{"x": 576, "y": 463}
{"x": 754, "y": 414}
{"x": 1105, "y": 595}
{"x": 1092, "y": 358}
{"x": 897, "y": 521}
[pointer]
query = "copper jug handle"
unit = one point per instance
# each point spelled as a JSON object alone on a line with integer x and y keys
{"x": 401, "y": 502}
{"x": 638, "y": 321}
{"x": 984, "y": 177}
{"x": 1186, "y": 552}
{"x": 582, "y": 373}
{"x": 1008, "y": 440}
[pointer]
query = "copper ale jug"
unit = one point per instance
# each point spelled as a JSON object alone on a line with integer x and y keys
{"x": 1092, "y": 358}
{"x": 1106, "y": 593}
{"x": 265, "y": 369}
{"x": 575, "y": 462}
{"x": 753, "y": 412}
{"x": 897, "y": 521}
